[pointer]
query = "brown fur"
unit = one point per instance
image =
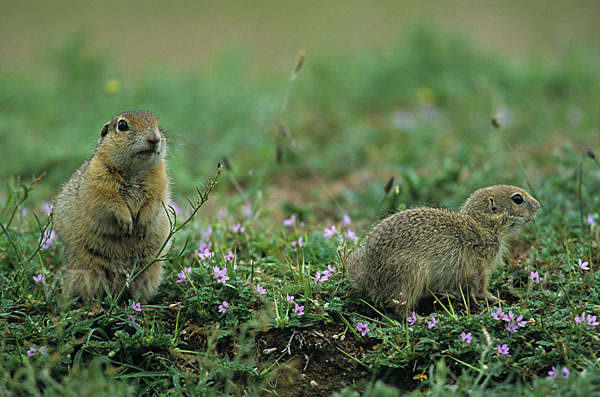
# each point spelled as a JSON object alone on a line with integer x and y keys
{"x": 422, "y": 250}
{"x": 109, "y": 214}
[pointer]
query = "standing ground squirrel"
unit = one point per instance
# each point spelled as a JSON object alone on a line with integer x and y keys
{"x": 109, "y": 214}
{"x": 421, "y": 250}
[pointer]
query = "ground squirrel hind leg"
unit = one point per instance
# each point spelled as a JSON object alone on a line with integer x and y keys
{"x": 145, "y": 286}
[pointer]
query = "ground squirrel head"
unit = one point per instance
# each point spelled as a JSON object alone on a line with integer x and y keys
{"x": 507, "y": 208}
{"x": 132, "y": 141}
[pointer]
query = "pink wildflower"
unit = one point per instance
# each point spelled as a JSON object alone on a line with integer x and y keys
{"x": 466, "y": 338}
{"x": 352, "y": 235}
{"x": 322, "y": 278}
{"x": 412, "y": 319}
{"x": 223, "y": 307}
{"x": 38, "y": 278}
{"x": 583, "y": 266}
{"x": 328, "y": 233}
{"x": 238, "y": 228}
{"x": 290, "y": 221}
{"x": 260, "y": 289}
{"x": 535, "y": 277}
{"x": 498, "y": 314}
{"x": 136, "y": 306}
{"x": 432, "y": 323}
{"x": 299, "y": 310}
{"x": 220, "y": 274}
{"x": 504, "y": 349}
{"x": 346, "y": 221}
{"x": 48, "y": 238}
{"x": 362, "y": 328}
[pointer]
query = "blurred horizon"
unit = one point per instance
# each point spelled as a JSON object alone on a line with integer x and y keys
{"x": 139, "y": 36}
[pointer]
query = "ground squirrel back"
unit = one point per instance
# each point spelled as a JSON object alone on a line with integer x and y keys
{"x": 109, "y": 215}
{"x": 422, "y": 250}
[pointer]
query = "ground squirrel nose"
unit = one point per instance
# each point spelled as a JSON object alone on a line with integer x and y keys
{"x": 153, "y": 138}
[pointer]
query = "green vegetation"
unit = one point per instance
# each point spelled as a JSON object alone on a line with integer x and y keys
{"x": 318, "y": 145}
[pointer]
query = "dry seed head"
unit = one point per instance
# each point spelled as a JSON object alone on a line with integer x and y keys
{"x": 591, "y": 154}
{"x": 388, "y": 185}
{"x": 299, "y": 62}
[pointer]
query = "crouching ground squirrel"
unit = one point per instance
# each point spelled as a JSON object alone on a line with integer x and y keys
{"x": 423, "y": 250}
{"x": 109, "y": 214}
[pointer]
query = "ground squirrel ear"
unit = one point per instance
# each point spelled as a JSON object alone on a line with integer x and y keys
{"x": 492, "y": 206}
{"x": 104, "y": 130}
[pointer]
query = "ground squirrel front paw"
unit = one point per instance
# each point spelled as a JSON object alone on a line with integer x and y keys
{"x": 142, "y": 230}
{"x": 125, "y": 224}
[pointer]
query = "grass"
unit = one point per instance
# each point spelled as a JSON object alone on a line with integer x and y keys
{"x": 319, "y": 145}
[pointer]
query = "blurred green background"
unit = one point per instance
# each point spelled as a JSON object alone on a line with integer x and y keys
{"x": 388, "y": 89}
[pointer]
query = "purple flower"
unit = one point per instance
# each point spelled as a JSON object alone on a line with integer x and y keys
{"x": 498, "y": 314}
{"x": 48, "y": 237}
{"x": 520, "y": 322}
{"x": 238, "y": 228}
{"x": 330, "y": 270}
{"x": 503, "y": 349}
{"x": 362, "y": 328}
{"x": 136, "y": 306}
{"x": 183, "y": 274}
{"x": 583, "y": 266}
{"x": 566, "y": 372}
{"x": 206, "y": 233}
{"x": 31, "y": 351}
{"x": 260, "y": 289}
{"x": 290, "y": 221}
{"x": 552, "y": 373}
{"x": 131, "y": 320}
{"x": 511, "y": 327}
{"x": 247, "y": 210}
{"x": 535, "y": 277}
{"x": 412, "y": 319}
{"x": 591, "y": 221}
{"x": 38, "y": 278}
{"x": 289, "y": 298}
{"x": 47, "y": 207}
{"x": 466, "y": 338}
{"x": 509, "y": 317}
{"x": 230, "y": 256}
{"x": 592, "y": 320}
{"x": 432, "y": 323}
{"x": 204, "y": 252}
{"x": 220, "y": 274}
{"x": 297, "y": 244}
{"x": 299, "y": 310}
{"x": 351, "y": 235}
{"x": 346, "y": 221}
{"x": 328, "y": 233}
{"x": 223, "y": 307}
{"x": 322, "y": 278}
{"x": 580, "y": 319}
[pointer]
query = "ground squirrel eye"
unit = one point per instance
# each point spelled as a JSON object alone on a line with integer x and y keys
{"x": 122, "y": 126}
{"x": 517, "y": 198}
